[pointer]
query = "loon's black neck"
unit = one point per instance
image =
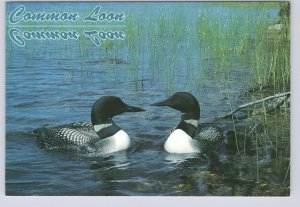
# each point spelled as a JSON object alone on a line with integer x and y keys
{"x": 189, "y": 124}
{"x": 106, "y": 128}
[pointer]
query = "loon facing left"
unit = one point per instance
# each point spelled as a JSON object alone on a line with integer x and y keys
{"x": 102, "y": 135}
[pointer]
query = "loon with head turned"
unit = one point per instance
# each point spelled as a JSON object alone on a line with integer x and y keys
{"x": 189, "y": 136}
{"x": 102, "y": 135}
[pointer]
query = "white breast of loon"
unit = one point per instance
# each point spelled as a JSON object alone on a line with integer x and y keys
{"x": 117, "y": 142}
{"x": 180, "y": 142}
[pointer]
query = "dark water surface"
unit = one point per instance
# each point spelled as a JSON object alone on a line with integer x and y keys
{"x": 49, "y": 83}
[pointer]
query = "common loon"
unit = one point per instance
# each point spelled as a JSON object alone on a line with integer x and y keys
{"x": 102, "y": 135}
{"x": 189, "y": 136}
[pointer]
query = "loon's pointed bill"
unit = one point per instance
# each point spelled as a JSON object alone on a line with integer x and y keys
{"x": 189, "y": 136}
{"x": 102, "y": 135}
{"x": 166, "y": 102}
{"x": 133, "y": 109}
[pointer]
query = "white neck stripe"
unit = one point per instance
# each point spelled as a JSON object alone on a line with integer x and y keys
{"x": 193, "y": 122}
{"x": 98, "y": 127}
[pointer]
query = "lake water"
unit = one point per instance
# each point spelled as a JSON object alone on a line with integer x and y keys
{"x": 54, "y": 82}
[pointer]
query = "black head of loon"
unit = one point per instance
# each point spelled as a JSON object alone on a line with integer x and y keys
{"x": 104, "y": 109}
{"x": 107, "y": 107}
{"x": 184, "y": 102}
